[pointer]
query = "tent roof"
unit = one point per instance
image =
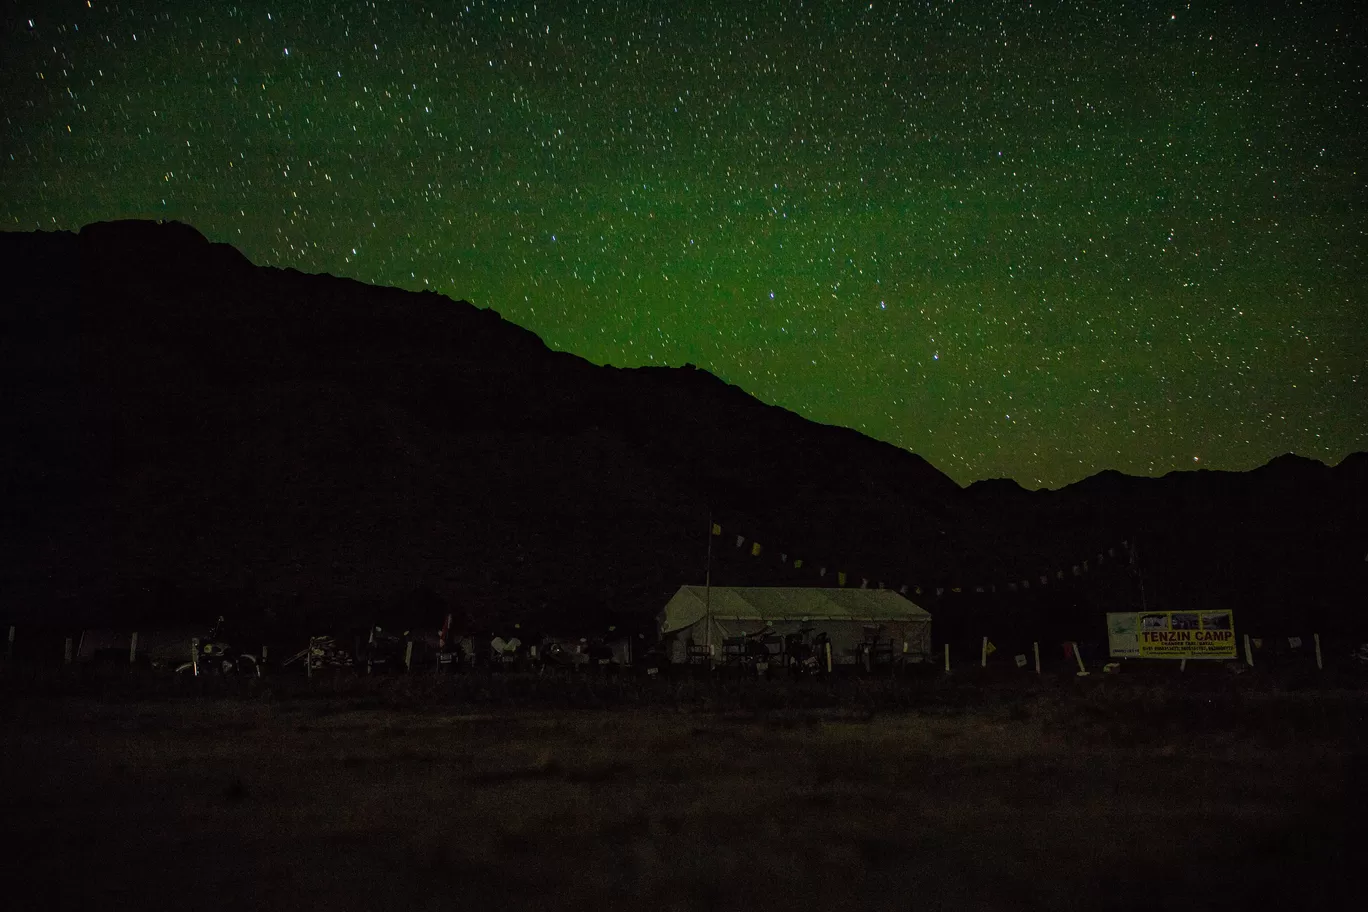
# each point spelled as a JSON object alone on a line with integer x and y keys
{"x": 742, "y": 603}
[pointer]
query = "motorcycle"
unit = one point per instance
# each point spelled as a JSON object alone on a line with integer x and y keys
{"x": 806, "y": 652}
{"x": 214, "y": 655}
{"x": 751, "y": 651}
{"x": 655, "y": 661}
{"x": 386, "y": 651}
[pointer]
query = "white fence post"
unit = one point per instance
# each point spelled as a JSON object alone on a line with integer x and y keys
{"x": 1249, "y": 652}
{"x": 1035, "y": 648}
{"x": 1079, "y": 656}
{"x": 1319, "y": 665}
{"x": 983, "y": 654}
{"x": 66, "y": 652}
{"x": 133, "y": 648}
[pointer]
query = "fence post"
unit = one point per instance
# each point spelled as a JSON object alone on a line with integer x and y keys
{"x": 1079, "y": 656}
{"x": 1249, "y": 652}
{"x": 947, "y": 658}
{"x": 408, "y": 656}
{"x": 1035, "y": 648}
{"x": 133, "y": 648}
{"x": 66, "y": 652}
{"x": 1316, "y": 637}
{"x": 983, "y": 654}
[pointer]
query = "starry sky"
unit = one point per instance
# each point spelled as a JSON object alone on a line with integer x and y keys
{"x": 1022, "y": 239}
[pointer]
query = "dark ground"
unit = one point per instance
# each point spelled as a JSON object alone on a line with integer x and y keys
{"x": 1086, "y": 794}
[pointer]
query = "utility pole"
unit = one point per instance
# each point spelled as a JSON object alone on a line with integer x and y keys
{"x": 1140, "y": 574}
{"x": 707, "y": 592}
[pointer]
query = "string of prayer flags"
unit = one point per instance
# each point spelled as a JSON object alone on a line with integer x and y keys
{"x": 1043, "y": 579}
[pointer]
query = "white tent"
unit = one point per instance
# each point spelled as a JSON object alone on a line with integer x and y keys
{"x": 850, "y": 617}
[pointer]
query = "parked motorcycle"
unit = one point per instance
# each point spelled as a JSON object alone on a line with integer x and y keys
{"x": 385, "y": 652}
{"x": 214, "y": 655}
{"x": 806, "y": 652}
{"x": 751, "y": 652}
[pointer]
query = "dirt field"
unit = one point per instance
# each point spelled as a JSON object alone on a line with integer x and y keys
{"x": 1055, "y": 800}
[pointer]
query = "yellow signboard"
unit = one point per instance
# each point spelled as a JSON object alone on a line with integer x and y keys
{"x": 1186, "y": 634}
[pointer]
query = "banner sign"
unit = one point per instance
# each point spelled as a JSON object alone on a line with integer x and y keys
{"x": 1172, "y": 634}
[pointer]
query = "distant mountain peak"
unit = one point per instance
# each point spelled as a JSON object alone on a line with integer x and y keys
{"x": 187, "y": 432}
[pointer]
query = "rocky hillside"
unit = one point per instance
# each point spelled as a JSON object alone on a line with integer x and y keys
{"x": 186, "y": 434}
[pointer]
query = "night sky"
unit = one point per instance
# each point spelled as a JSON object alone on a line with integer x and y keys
{"x": 1033, "y": 240}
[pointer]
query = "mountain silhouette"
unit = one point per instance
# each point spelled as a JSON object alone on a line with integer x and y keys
{"x": 187, "y": 434}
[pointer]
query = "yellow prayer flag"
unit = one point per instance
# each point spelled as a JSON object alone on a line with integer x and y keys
{"x": 717, "y": 530}
{"x": 755, "y": 549}
{"x": 990, "y": 648}
{"x": 840, "y": 577}
{"x": 797, "y": 564}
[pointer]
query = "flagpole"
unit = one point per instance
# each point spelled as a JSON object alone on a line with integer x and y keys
{"x": 707, "y": 592}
